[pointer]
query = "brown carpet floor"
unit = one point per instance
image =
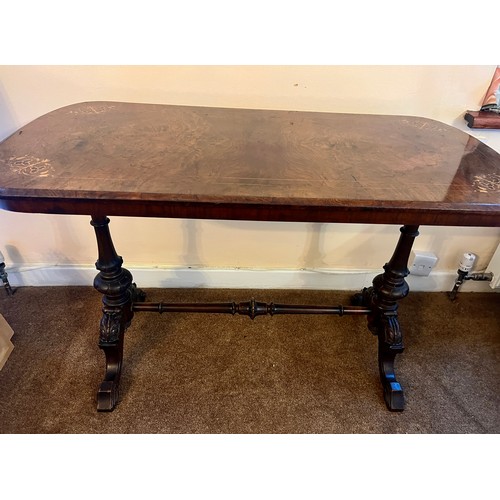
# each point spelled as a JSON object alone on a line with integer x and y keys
{"x": 192, "y": 373}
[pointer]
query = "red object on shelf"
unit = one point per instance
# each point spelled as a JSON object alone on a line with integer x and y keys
{"x": 482, "y": 119}
{"x": 492, "y": 99}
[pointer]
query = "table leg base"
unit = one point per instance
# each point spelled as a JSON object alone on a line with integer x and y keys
{"x": 382, "y": 298}
{"x": 107, "y": 395}
{"x": 394, "y": 397}
{"x": 114, "y": 324}
{"x": 119, "y": 293}
{"x": 121, "y": 298}
{"x": 393, "y": 392}
{"x": 385, "y": 327}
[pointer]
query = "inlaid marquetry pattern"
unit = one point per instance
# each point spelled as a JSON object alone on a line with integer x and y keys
{"x": 30, "y": 166}
{"x": 91, "y": 109}
{"x": 200, "y": 162}
{"x": 485, "y": 183}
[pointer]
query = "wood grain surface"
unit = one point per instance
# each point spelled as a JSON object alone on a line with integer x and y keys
{"x": 178, "y": 161}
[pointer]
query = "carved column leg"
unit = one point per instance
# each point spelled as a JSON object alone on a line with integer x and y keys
{"x": 115, "y": 283}
{"x": 382, "y": 298}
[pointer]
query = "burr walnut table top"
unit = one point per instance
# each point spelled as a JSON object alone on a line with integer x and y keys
{"x": 151, "y": 160}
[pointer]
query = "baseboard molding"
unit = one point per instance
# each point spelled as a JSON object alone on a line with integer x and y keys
{"x": 188, "y": 277}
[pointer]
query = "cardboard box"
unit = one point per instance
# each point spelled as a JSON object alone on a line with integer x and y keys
{"x": 6, "y": 346}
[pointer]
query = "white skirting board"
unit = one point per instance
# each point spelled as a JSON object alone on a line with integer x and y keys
{"x": 188, "y": 277}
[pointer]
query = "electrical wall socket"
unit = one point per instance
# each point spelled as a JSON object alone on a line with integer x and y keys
{"x": 422, "y": 263}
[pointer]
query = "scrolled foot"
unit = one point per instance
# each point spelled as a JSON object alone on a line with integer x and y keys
{"x": 394, "y": 396}
{"x": 107, "y": 395}
{"x": 116, "y": 284}
{"x": 108, "y": 392}
{"x": 393, "y": 392}
{"x": 111, "y": 342}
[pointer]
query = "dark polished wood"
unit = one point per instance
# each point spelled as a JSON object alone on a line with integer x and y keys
{"x": 178, "y": 161}
{"x": 111, "y": 158}
{"x": 251, "y": 308}
{"x": 381, "y": 298}
{"x": 115, "y": 283}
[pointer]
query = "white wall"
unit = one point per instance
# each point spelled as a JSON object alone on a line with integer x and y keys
{"x": 439, "y": 92}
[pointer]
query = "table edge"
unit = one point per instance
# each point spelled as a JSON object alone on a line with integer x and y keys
{"x": 370, "y": 212}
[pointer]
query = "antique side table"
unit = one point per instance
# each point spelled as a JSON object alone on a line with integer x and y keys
{"x": 145, "y": 160}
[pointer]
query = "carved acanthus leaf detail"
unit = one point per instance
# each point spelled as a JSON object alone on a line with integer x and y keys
{"x": 392, "y": 331}
{"x": 109, "y": 331}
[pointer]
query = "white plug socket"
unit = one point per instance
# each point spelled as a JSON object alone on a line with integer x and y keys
{"x": 422, "y": 263}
